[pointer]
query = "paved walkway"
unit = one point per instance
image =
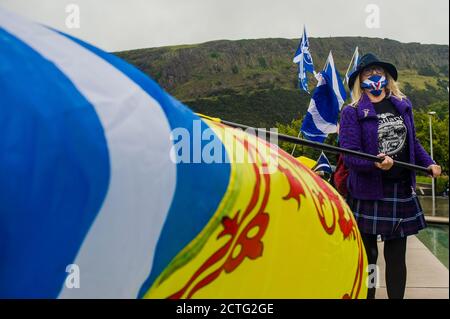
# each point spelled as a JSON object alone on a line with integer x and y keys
{"x": 427, "y": 277}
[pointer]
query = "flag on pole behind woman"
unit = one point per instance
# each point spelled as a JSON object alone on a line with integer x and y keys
{"x": 304, "y": 61}
{"x": 326, "y": 102}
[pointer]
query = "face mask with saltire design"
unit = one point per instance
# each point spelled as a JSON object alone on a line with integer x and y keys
{"x": 375, "y": 84}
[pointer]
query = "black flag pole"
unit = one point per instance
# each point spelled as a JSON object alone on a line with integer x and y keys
{"x": 317, "y": 145}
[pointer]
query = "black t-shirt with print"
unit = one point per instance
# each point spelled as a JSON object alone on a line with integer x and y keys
{"x": 392, "y": 138}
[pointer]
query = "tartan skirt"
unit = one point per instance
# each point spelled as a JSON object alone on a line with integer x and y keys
{"x": 398, "y": 214}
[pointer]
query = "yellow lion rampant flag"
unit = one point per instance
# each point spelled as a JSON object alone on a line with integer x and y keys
{"x": 284, "y": 234}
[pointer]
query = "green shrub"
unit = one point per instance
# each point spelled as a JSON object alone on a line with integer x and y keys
{"x": 427, "y": 70}
{"x": 441, "y": 184}
{"x": 214, "y": 55}
{"x": 262, "y": 62}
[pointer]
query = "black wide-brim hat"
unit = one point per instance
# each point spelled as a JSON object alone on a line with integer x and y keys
{"x": 367, "y": 60}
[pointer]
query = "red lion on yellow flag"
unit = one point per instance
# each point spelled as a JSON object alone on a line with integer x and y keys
{"x": 280, "y": 235}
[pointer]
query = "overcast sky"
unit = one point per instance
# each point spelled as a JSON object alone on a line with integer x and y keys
{"x": 129, "y": 24}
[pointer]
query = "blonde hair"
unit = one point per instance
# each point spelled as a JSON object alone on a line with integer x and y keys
{"x": 392, "y": 89}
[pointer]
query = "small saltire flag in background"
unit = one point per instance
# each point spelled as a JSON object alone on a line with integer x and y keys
{"x": 304, "y": 61}
{"x": 353, "y": 64}
{"x": 326, "y": 102}
{"x": 323, "y": 164}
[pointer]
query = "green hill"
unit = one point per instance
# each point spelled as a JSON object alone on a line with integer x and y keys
{"x": 255, "y": 81}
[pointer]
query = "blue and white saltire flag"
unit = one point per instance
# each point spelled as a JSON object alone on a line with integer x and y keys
{"x": 94, "y": 204}
{"x": 353, "y": 64}
{"x": 304, "y": 61}
{"x": 323, "y": 164}
{"x": 87, "y": 185}
{"x": 326, "y": 102}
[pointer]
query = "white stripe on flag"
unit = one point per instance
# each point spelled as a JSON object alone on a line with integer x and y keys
{"x": 321, "y": 124}
{"x": 335, "y": 81}
{"x": 320, "y": 166}
{"x": 117, "y": 253}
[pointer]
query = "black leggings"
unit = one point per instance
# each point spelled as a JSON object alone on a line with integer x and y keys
{"x": 394, "y": 255}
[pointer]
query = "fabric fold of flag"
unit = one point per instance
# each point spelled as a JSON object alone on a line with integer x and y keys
{"x": 323, "y": 164}
{"x": 326, "y": 102}
{"x": 304, "y": 61}
{"x": 353, "y": 64}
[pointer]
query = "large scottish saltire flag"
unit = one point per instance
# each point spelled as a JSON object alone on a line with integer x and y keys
{"x": 326, "y": 102}
{"x": 93, "y": 203}
{"x": 304, "y": 61}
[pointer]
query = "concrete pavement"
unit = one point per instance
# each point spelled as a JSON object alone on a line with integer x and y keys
{"x": 427, "y": 277}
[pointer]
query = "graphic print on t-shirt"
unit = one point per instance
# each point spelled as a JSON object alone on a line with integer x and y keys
{"x": 391, "y": 133}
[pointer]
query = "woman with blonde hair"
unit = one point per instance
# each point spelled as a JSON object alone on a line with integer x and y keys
{"x": 382, "y": 196}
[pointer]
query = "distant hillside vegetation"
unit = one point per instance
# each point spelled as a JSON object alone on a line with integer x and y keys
{"x": 255, "y": 81}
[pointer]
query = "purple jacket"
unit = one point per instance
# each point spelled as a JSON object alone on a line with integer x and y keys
{"x": 359, "y": 131}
